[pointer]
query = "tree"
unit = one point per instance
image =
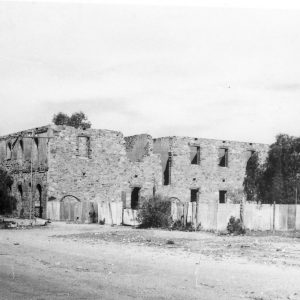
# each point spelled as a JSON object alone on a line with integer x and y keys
{"x": 253, "y": 176}
{"x": 77, "y": 120}
{"x": 6, "y": 180}
{"x": 61, "y": 119}
{"x": 276, "y": 180}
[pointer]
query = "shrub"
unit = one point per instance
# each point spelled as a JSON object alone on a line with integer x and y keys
{"x": 235, "y": 226}
{"x": 155, "y": 212}
{"x": 178, "y": 225}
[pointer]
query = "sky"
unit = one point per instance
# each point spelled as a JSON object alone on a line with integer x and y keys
{"x": 211, "y": 69}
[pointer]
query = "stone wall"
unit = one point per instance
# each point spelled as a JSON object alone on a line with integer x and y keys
{"x": 206, "y": 175}
{"x": 88, "y": 164}
{"x": 24, "y": 158}
{"x": 143, "y": 169}
{"x": 138, "y": 146}
{"x": 101, "y": 165}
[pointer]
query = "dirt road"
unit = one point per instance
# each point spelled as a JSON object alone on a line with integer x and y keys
{"x": 68, "y": 261}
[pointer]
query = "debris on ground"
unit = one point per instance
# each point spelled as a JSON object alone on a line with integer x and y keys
{"x": 10, "y": 223}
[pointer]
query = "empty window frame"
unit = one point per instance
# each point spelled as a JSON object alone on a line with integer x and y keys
{"x": 249, "y": 154}
{"x": 168, "y": 170}
{"x": 35, "y": 152}
{"x": 223, "y": 157}
{"x": 194, "y": 195}
{"x": 135, "y": 197}
{"x": 222, "y": 196}
{"x": 8, "y": 150}
{"x": 20, "y": 192}
{"x": 21, "y": 150}
{"x": 83, "y": 146}
{"x": 195, "y": 155}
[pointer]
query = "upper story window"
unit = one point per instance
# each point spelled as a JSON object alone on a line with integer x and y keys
{"x": 195, "y": 155}
{"x": 83, "y": 146}
{"x": 168, "y": 170}
{"x": 8, "y": 150}
{"x": 223, "y": 157}
{"x": 35, "y": 151}
{"x": 249, "y": 154}
{"x": 21, "y": 150}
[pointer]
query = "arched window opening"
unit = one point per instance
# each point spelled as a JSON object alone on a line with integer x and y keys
{"x": 38, "y": 208}
{"x": 20, "y": 192}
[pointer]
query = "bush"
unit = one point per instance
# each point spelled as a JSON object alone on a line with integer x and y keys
{"x": 178, "y": 225}
{"x": 155, "y": 212}
{"x": 235, "y": 226}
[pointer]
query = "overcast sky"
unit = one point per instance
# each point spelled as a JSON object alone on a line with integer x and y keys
{"x": 221, "y": 72}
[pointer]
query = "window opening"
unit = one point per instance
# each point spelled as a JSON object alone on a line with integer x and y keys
{"x": 195, "y": 155}
{"x": 168, "y": 170}
{"x": 222, "y": 196}
{"x": 194, "y": 195}
{"x": 223, "y": 157}
{"x": 135, "y": 197}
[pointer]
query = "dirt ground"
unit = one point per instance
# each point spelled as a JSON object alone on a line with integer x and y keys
{"x": 71, "y": 261}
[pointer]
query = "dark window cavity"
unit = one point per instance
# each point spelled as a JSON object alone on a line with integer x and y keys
{"x": 194, "y": 195}
{"x": 249, "y": 154}
{"x": 223, "y": 157}
{"x": 135, "y": 197}
{"x": 8, "y": 150}
{"x": 168, "y": 170}
{"x": 195, "y": 155}
{"x": 20, "y": 192}
{"x": 38, "y": 209}
{"x": 222, "y": 196}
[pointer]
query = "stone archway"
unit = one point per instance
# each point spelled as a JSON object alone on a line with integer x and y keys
{"x": 70, "y": 208}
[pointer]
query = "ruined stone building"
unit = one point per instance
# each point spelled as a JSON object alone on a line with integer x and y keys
{"x": 61, "y": 163}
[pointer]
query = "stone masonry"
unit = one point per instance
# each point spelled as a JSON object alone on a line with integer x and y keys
{"x": 59, "y": 163}
{"x": 204, "y": 168}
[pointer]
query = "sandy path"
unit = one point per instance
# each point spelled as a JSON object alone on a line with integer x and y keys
{"x": 36, "y": 265}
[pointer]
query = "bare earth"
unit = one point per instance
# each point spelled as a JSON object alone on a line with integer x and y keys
{"x": 70, "y": 261}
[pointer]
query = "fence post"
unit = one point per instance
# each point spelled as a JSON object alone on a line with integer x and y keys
{"x": 242, "y": 211}
{"x": 274, "y": 203}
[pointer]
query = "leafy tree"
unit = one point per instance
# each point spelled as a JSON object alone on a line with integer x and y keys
{"x": 77, "y": 120}
{"x": 6, "y": 180}
{"x": 61, "y": 119}
{"x": 252, "y": 179}
{"x": 277, "y": 179}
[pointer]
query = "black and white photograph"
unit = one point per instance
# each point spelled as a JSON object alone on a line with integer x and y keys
{"x": 150, "y": 149}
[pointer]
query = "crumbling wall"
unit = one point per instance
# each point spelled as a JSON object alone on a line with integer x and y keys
{"x": 94, "y": 173}
{"x": 143, "y": 169}
{"x": 138, "y": 146}
{"x": 207, "y": 176}
{"x": 24, "y": 156}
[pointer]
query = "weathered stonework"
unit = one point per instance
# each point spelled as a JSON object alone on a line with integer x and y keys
{"x": 206, "y": 175}
{"x": 61, "y": 163}
{"x": 28, "y": 181}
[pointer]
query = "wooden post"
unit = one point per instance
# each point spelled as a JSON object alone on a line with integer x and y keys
{"x": 274, "y": 203}
{"x": 242, "y": 211}
{"x": 197, "y": 211}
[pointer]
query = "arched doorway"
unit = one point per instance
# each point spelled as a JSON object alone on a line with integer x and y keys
{"x": 38, "y": 208}
{"x": 20, "y": 200}
{"x": 70, "y": 208}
